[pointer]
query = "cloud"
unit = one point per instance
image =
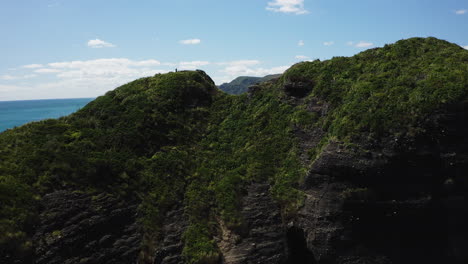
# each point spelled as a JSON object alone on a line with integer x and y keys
{"x": 461, "y": 11}
{"x": 360, "y": 44}
{"x": 47, "y": 70}
{"x": 7, "y": 77}
{"x": 301, "y": 57}
{"x": 328, "y": 43}
{"x": 363, "y": 44}
{"x": 301, "y": 43}
{"x": 246, "y": 71}
{"x": 85, "y": 78}
{"x": 54, "y": 3}
{"x": 190, "y": 41}
{"x": 6, "y": 89}
{"x": 144, "y": 63}
{"x": 114, "y": 68}
{"x": 240, "y": 63}
{"x": 287, "y": 6}
{"x": 105, "y": 68}
{"x": 192, "y": 65}
{"x": 233, "y": 69}
{"x": 100, "y": 75}
{"x": 465, "y": 47}
{"x": 12, "y": 77}
{"x": 97, "y": 43}
{"x": 88, "y": 78}
{"x": 32, "y": 66}
{"x": 105, "y": 63}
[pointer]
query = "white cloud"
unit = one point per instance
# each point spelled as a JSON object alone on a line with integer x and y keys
{"x": 238, "y": 68}
{"x": 32, "y": 66}
{"x": 27, "y": 76}
{"x": 6, "y": 92}
{"x": 7, "y": 77}
{"x": 12, "y": 77}
{"x": 97, "y": 43}
{"x": 363, "y": 44}
{"x": 53, "y": 3}
{"x": 240, "y": 63}
{"x": 47, "y": 70}
{"x": 190, "y": 41}
{"x": 88, "y": 78}
{"x": 301, "y": 43}
{"x": 144, "y": 63}
{"x": 465, "y": 47}
{"x": 360, "y": 44}
{"x": 287, "y": 6}
{"x": 82, "y": 78}
{"x": 328, "y": 43}
{"x": 192, "y": 65}
{"x": 246, "y": 71}
{"x": 7, "y": 88}
{"x": 461, "y": 11}
{"x": 301, "y": 57}
{"x": 105, "y": 63}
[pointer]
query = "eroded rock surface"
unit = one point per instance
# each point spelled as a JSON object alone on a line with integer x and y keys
{"x": 262, "y": 240}
{"x": 83, "y": 228}
{"x": 401, "y": 201}
{"x": 170, "y": 248}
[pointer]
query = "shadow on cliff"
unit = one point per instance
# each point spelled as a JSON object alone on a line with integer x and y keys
{"x": 419, "y": 211}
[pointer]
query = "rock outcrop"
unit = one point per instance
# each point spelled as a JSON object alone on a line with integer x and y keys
{"x": 396, "y": 203}
{"x": 80, "y": 228}
{"x": 262, "y": 240}
{"x": 170, "y": 247}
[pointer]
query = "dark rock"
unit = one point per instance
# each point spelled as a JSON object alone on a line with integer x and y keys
{"x": 403, "y": 200}
{"x": 83, "y": 228}
{"x": 399, "y": 202}
{"x": 398, "y": 199}
{"x": 298, "y": 88}
{"x": 263, "y": 240}
{"x": 104, "y": 241}
{"x": 170, "y": 247}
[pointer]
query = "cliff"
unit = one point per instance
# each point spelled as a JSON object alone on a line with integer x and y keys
{"x": 350, "y": 160}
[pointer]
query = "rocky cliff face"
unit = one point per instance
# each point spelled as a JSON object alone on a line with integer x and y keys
{"x": 348, "y": 161}
{"x": 82, "y": 228}
{"x": 414, "y": 212}
{"x": 262, "y": 239}
{"x": 402, "y": 202}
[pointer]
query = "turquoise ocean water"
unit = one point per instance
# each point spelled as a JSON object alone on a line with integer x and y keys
{"x": 17, "y": 113}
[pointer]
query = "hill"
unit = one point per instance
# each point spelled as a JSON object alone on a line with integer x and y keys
{"x": 242, "y": 83}
{"x": 350, "y": 160}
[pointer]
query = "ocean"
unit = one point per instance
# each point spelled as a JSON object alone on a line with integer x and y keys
{"x": 17, "y": 113}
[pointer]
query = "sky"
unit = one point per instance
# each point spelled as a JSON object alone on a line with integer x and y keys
{"x": 83, "y": 48}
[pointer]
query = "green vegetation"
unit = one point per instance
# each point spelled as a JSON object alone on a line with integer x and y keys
{"x": 175, "y": 140}
{"x": 120, "y": 143}
{"x": 246, "y": 141}
{"x": 389, "y": 90}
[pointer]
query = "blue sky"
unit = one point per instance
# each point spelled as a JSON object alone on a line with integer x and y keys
{"x": 83, "y": 48}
